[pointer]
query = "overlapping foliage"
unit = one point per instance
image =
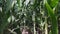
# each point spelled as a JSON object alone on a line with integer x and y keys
{"x": 29, "y": 13}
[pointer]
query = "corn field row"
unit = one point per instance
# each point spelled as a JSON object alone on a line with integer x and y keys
{"x": 29, "y": 16}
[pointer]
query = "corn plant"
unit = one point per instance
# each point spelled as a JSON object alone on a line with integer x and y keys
{"x": 5, "y": 9}
{"x": 50, "y": 5}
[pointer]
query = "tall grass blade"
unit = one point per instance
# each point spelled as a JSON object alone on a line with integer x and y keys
{"x": 54, "y": 29}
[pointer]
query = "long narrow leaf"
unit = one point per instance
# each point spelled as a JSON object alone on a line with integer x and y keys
{"x": 53, "y": 3}
{"x": 9, "y": 4}
{"x": 53, "y": 19}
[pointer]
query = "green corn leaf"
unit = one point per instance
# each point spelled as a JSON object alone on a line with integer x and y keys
{"x": 53, "y": 3}
{"x": 53, "y": 19}
{"x": 9, "y": 5}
